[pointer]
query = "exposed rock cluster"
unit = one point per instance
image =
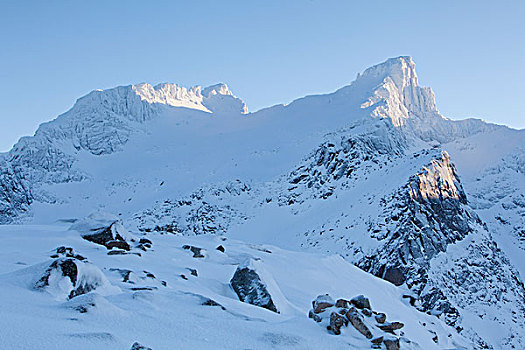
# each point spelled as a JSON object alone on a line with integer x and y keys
{"x": 357, "y": 313}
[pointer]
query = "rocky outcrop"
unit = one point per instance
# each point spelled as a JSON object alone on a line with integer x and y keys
{"x": 357, "y": 313}
{"x": 250, "y": 289}
{"x": 339, "y": 159}
{"x": 197, "y": 252}
{"x": 420, "y": 231}
{"x": 15, "y": 193}
{"x": 205, "y": 211}
{"x": 424, "y": 217}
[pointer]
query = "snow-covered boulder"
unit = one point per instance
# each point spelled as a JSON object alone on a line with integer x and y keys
{"x": 105, "y": 229}
{"x": 138, "y": 346}
{"x": 66, "y": 278}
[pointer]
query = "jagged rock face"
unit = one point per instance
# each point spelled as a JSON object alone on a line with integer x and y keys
{"x": 422, "y": 225}
{"x": 334, "y": 162}
{"x": 428, "y": 214}
{"x": 15, "y": 195}
{"x": 475, "y": 277}
{"x": 251, "y": 289}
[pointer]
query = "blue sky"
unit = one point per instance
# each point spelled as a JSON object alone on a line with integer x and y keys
{"x": 472, "y": 53}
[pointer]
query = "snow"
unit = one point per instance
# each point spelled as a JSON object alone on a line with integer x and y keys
{"x": 117, "y": 320}
{"x": 172, "y": 162}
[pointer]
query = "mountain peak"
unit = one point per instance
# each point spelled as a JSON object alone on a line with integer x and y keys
{"x": 214, "y": 98}
{"x": 402, "y": 71}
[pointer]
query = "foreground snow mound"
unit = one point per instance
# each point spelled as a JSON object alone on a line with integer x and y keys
{"x": 66, "y": 278}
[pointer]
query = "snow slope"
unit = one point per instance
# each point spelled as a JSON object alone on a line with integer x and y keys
{"x": 160, "y": 309}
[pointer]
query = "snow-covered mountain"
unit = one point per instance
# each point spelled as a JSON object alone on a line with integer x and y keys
{"x": 372, "y": 172}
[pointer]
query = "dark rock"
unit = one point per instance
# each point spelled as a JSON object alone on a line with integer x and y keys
{"x": 336, "y": 322}
{"x": 193, "y": 272}
{"x": 108, "y": 237}
{"x": 361, "y": 302}
{"x": 117, "y": 244}
{"x": 380, "y": 317}
{"x": 183, "y": 277}
{"x": 376, "y": 342}
{"x": 145, "y": 241}
{"x": 143, "y": 288}
{"x": 67, "y": 252}
{"x": 197, "y": 252}
{"x": 355, "y": 319}
{"x": 117, "y": 252}
{"x": 220, "y": 248}
{"x": 314, "y": 316}
{"x": 342, "y": 303}
{"x": 366, "y": 312}
{"x": 320, "y": 307}
{"x": 391, "y": 327}
{"x": 394, "y": 275}
{"x": 125, "y": 274}
{"x": 138, "y": 346}
{"x": 321, "y": 303}
{"x": 411, "y": 299}
{"x": 250, "y": 289}
{"x": 391, "y": 344}
{"x": 211, "y": 302}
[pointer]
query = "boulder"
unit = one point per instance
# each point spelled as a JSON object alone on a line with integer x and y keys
{"x": 357, "y": 321}
{"x": 67, "y": 278}
{"x": 376, "y": 342}
{"x": 251, "y": 289}
{"x": 211, "y": 302}
{"x": 391, "y": 344}
{"x": 197, "y": 252}
{"x": 391, "y": 327}
{"x": 104, "y": 229}
{"x": 321, "y": 303}
{"x": 138, "y": 346}
{"x": 336, "y": 322}
{"x": 361, "y": 302}
{"x": 380, "y": 317}
{"x": 193, "y": 272}
{"x": 342, "y": 303}
{"x": 66, "y": 252}
{"x": 314, "y": 316}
